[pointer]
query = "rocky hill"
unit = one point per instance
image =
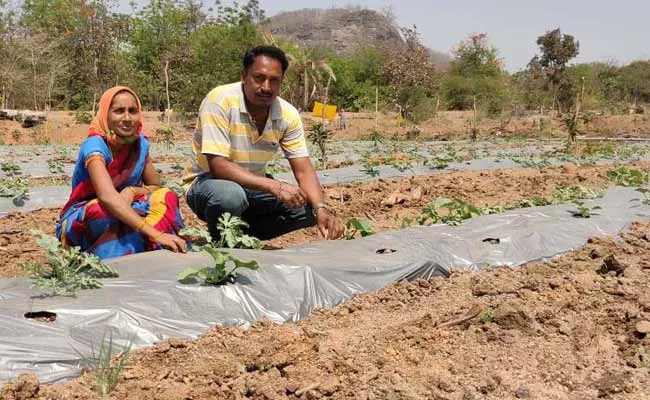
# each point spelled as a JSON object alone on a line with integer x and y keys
{"x": 339, "y": 29}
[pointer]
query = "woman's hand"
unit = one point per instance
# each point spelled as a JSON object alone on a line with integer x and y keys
{"x": 171, "y": 242}
{"x": 128, "y": 194}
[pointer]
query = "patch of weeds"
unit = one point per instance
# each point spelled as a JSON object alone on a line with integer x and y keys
{"x": 583, "y": 210}
{"x": 487, "y": 316}
{"x": 360, "y": 226}
{"x": 626, "y": 176}
{"x": 70, "y": 270}
{"x": 15, "y": 134}
{"x": 39, "y": 136}
{"x": 106, "y": 370}
{"x": 178, "y": 166}
{"x": 405, "y": 222}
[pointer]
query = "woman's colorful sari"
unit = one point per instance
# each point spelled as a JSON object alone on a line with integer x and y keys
{"x": 84, "y": 222}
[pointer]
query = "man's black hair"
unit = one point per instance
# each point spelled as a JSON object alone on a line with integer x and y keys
{"x": 269, "y": 51}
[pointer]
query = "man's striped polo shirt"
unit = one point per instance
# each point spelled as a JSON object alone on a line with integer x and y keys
{"x": 225, "y": 128}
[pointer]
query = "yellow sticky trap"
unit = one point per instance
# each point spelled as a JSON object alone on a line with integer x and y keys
{"x": 329, "y": 114}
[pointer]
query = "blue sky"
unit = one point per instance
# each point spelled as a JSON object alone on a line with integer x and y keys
{"x": 607, "y": 30}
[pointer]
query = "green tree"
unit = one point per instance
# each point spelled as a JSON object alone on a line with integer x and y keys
{"x": 409, "y": 72}
{"x": 635, "y": 78}
{"x": 557, "y": 50}
{"x": 88, "y": 33}
{"x": 476, "y": 74}
{"x": 357, "y": 78}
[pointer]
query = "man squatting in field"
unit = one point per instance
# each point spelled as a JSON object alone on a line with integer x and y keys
{"x": 239, "y": 128}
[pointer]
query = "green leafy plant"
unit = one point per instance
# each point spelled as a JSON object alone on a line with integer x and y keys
{"x": 376, "y": 137}
{"x": 530, "y": 162}
{"x": 10, "y": 168}
{"x": 106, "y": 368}
{"x": 231, "y": 229}
{"x": 583, "y": 210}
{"x": 360, "y": 226}
{"x": 626, "y": 176}
{"x": 69, "y": 269}
{"x": 177, "y": 166}
{"x": 646, "y": 195}
{"x": 487, "y": 316}
{"x": 166, "y": 135}
{"x": 446, "y": 211}
{"x": 17, "y": 188}
{"x": 437, "y": 162}
{"x": 55, "y": 166}
{"x": 571, "y": 193}
{"x": 319, "y": 136}
{"x": 401, "y": 164}
{"x": 197, "y": 236}
{"x": 223, "y": 271}
{"x": 370, "y": 170}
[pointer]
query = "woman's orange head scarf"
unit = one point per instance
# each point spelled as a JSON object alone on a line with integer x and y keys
{"x": 99, "y": 124}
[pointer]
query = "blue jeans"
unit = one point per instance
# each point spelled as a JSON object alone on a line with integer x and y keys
{"x": 266, "y": 216}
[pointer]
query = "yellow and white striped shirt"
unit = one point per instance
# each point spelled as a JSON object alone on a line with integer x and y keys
{"x": 225, "y": 128}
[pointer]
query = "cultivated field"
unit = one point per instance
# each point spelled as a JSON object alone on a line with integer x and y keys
{"x": 571, "y": 326}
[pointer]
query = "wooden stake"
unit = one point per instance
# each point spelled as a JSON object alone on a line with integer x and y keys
{"x": 169, "y": 107}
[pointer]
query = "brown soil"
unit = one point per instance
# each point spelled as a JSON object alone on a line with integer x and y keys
{"x": 61, "y": 127}
{"x": 570, "y": 328}
{"x": 360, "y": 200}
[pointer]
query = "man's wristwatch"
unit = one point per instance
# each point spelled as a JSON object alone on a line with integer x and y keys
{"x": 318, "y": 206}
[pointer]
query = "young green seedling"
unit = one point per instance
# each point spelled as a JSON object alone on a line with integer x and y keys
{"x": 584, "y": 211}
{"x": 355, "y": 225}
{"x": 223, "y": 270}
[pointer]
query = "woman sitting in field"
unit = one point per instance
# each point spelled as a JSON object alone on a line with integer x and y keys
{"x": 117, "y": 206}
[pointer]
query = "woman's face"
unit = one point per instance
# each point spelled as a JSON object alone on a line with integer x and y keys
{"x": 123, "y": 115}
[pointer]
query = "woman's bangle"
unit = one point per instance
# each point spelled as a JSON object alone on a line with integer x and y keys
{"x": 133, "y": 190}
{"x": 142, "y": 225}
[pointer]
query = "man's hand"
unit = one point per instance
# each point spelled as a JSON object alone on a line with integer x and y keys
{"x": 292, "y": 196}
{"x": 330, "y": 226}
